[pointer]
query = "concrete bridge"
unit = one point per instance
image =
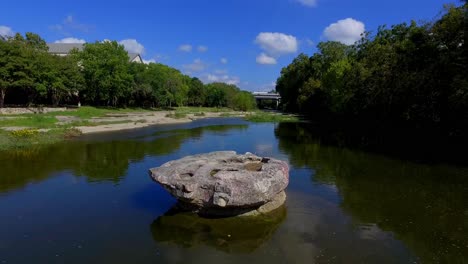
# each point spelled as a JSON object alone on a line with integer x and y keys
{"x": 263, "y": 96}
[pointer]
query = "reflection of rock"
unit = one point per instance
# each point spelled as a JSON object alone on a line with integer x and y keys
{"x": 232, "y": 235}
{"x": 224, "y": 183}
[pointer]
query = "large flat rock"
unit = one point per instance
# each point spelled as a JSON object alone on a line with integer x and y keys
{"x": 223, "y": 182}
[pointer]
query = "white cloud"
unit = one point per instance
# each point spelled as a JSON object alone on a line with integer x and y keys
{"x": 346, "y": 31}
{"x": 161, "y": 57}
{"x": 131, "y": 45}
{"x": 197, "y": 66}
{"x": 309, "y": 3}
{"x": 220, "y": 71}
{"x": 70, "y": 40}
{"x": 224, "y": 60}
{"x": 6, "y": 31}
{"x": 259, "y": 87}
{"x": 265, "y": 87}
{"x": 209, "y": 78}
{"x": 202, "y": 48}
{"x": 70, "y": 24}
{"x": 277, "y": 43}
{"x": 310, "y": 42}
{"x": 265, "y": 59}
{"x": 185, "y": 48}
{"x": 149, "y": 61}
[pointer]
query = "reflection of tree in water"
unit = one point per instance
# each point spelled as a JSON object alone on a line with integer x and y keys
{"x": 98, "y": 161}
{"x": 232, "y": 235}
{"x": 425, "y": 206}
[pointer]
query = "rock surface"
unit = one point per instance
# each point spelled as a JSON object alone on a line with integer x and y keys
{"x": 225, "y": 183}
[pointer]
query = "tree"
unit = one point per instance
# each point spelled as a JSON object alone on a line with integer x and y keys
{"x": 410, "y": 75}
{"x": 244, "y": 101}
{"x": 105, "y": 69}
{"x": 197, "y": 92}
{"x": 36, "y": 42}
{"x": 291, "y": 79}
{"x": 101, "y": 75}
{"x": 216, "y": 96}
{"x": 16, "y": 65}
{"x": 59, "y": 79}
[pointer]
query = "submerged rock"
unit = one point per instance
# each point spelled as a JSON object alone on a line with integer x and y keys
{"x": 225, "y": 183}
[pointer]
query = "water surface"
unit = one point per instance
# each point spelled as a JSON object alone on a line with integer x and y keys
{"x": 91, "y": 201}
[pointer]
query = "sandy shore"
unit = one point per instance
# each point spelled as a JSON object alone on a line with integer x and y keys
{"x": 138, "y": 120}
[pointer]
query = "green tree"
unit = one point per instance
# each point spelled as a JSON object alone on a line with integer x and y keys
{"x": 16, "y": 65}
{"x": 59, "y": 78}
{"x": 292, "y": 79}
{"x": 197, "y": 92}
{"x": 216, "y": 95}
{"x": 35, "y": 41}
{"x": 410, "y": 75}
{"x": 105, "y": 69}
{"x": 244, "y": 101}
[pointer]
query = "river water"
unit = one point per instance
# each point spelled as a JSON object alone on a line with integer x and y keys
{"x": 91, "y": 200}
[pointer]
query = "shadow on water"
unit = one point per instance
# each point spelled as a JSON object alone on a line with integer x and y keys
{"x": 424, "y": 206}
{"x": 97, "y": 161}
{"x": 231, "y": 235}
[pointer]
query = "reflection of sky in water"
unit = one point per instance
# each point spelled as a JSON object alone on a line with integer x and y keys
{"x": 91, "y": 201}
{"x": 264, "y": 149}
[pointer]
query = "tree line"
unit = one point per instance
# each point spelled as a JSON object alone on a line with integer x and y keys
{"x": 101, "y": 75}
{"x": 409, "y": 75}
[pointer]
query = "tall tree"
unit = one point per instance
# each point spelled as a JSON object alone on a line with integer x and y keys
{"x": 16, "y": 65}
{"x": 411, "y": 74}
{"x": 197, "y": 92}
{"x": 105, "y": 69}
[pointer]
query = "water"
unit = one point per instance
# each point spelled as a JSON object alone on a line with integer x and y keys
{"x": 91, "y": 201}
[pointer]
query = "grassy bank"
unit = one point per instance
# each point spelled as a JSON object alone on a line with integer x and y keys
{"x": 195, "y": 110}
{"x": 80, "y": 116}
{"x": 19, "y": 131}
{"x": 32, "y": 137}
{"x": 25, "y": 130}
{"x": 262, "y": 117}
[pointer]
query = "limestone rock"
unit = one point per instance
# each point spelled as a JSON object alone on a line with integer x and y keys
{"x": 224, "y": 182}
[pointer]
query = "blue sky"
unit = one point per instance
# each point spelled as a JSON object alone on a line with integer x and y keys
{"x": 245, "y": 42}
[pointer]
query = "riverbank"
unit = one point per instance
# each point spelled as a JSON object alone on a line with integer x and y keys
{"x": 23, "y": 130}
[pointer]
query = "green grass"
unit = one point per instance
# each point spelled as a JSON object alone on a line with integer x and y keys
{"x": 30, "y": 120}
{"x": 227, "y": 115}
{"x": 49, "y": 120}
{"x": 86, "y": 112}
{"x": 270, "y": 117}
{"x": 30, "y": 137}
{"x": 177, "y": 115}
{"x": 194, "y": 110}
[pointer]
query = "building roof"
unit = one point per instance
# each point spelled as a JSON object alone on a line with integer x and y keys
{"x": 66, "y": 48}
{"x": 132, "y": 56}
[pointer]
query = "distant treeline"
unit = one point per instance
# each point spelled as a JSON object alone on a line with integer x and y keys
{"x": 409, "y": 75}
{"x": 101, "y": 75}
